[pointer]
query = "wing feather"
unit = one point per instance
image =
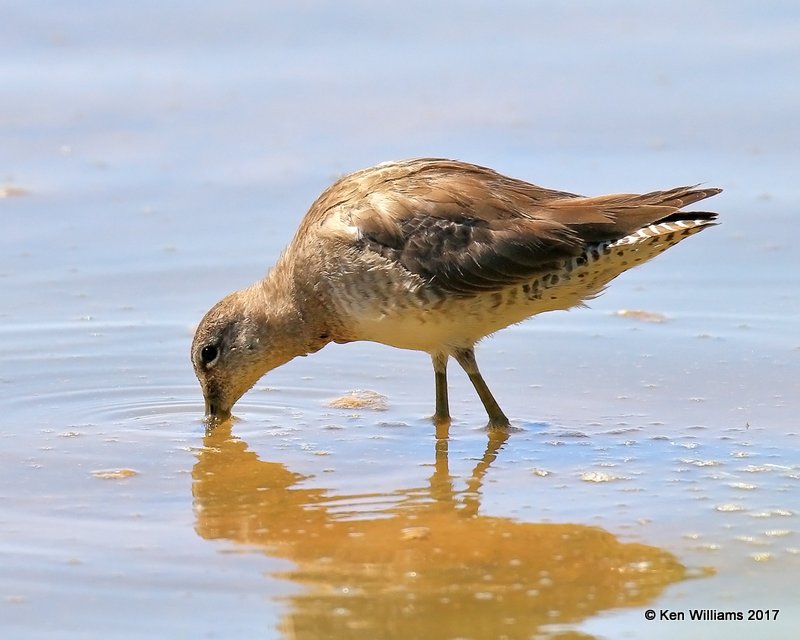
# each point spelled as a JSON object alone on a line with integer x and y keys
{"x": 466, "y": 229}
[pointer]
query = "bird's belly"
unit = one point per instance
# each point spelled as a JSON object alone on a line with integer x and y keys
{"x": 419, "y": 331}
{"x": 429, "y": 323}
{"x": 450, "y": 323}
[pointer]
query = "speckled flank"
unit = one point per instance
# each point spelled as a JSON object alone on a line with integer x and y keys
{"x": 585, "y": 276}
{"x": 390, "y": 307}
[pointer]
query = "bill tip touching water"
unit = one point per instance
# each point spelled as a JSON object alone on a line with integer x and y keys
{"x": 431, "y": 255}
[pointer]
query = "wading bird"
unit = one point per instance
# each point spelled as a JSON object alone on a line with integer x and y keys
{"x": 431, "y": 255}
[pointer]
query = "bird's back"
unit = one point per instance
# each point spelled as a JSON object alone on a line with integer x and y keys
{"x": 415, "y": 253}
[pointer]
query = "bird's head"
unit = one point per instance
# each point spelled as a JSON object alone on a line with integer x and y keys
{"x": 234, "y": 345}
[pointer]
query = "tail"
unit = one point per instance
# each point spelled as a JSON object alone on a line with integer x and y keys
{"x": 668, "y": 231}
{"x": 669, "y": 223}
{"x": 616, "y": 216}
{"x": 676, "y": 198}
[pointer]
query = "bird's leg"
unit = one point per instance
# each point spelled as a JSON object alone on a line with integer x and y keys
{"x": 441, "y": 417}
{"x": 466, "y": 358}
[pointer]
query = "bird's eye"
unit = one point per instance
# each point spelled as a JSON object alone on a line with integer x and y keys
{"x": 209, "y": 353}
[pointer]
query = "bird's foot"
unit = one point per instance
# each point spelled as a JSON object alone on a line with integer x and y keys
{"x": 501, "y": 426}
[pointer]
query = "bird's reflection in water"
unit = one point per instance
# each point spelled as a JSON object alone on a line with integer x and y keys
{"x": 431, "y": 566}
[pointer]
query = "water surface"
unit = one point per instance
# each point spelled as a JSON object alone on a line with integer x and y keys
{"x": 155, "y": 158}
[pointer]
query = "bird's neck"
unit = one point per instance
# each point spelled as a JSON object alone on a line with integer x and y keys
{"x": 292, "y": 313}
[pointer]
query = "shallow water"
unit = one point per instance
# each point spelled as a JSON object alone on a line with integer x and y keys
{"x": 154, "y": 159}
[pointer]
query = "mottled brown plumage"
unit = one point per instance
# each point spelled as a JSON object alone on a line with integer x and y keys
{"x": 431, "y": 255}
